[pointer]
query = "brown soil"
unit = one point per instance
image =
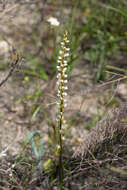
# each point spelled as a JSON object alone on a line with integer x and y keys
{"x": 104, "y": 168}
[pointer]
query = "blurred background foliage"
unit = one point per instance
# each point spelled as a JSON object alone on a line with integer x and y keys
{"x": 97, "y": 31}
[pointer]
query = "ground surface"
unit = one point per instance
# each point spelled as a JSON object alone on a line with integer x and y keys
{"x": 87, "y": 101}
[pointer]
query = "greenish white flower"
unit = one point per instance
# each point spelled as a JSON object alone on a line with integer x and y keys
{"x": 62, "y": 80}
{"x": 53, "y": 21}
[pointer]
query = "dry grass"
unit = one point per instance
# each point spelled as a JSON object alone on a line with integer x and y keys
{"x": 115, "y": 122}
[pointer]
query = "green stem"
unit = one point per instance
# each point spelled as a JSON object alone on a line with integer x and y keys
{"x": 60, "y": 158}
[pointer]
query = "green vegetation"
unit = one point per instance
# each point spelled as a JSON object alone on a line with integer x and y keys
{"x": 97, "y": 34}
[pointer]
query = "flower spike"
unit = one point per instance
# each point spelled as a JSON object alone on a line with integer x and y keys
{"x": 62, "y": 78}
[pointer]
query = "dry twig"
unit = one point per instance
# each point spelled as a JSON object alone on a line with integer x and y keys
{"x": 13, "y": 66}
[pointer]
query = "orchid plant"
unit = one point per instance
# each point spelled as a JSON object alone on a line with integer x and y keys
{"x": 62, "y": 102}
